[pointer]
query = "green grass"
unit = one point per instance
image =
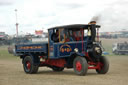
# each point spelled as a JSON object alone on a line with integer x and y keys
{"x": 108, "y": 48}
{"x": 4, "y": 53}
{"x": 107, "y": 44}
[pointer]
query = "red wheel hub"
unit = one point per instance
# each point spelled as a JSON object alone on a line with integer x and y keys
{"x": 28, "y": 65}
{"x": 78, "y": 66}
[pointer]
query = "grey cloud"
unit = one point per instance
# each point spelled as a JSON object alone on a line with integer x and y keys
{"x": 72, "y": 5}
{"x": 114, "y": 18}
{"x": 26, "y": 25}
{"x": 2, "y": 26}
{"x": 41, "y": 15}
{"x": 6, "y": 2}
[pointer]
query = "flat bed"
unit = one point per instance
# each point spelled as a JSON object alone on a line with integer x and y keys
{"x": 40, "y": 48}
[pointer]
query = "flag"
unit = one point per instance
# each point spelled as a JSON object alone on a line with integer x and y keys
{"x": 38, "y": 32}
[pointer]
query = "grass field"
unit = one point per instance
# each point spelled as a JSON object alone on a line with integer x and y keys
{"x": 11, "y": 71}
{"x": 107, "y": 44}
{"x": 4, "y": 53}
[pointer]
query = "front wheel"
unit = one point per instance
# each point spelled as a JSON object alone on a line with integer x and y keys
{"x": 29, "y": 66}
{"x": 104, "y": 65}
{"x": 80, "y": 66}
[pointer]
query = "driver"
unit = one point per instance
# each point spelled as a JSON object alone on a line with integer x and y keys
{"x": 76, "y": 36}
{"x": 55, "y": 36}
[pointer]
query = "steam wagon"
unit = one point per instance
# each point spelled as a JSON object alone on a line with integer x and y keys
{"x": 71, "y": 46}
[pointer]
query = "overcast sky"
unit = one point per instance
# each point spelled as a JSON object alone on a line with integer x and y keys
{"x": 42, "y": 14}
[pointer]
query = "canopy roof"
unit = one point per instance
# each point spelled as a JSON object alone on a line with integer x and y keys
{"x": 74, "y": 26}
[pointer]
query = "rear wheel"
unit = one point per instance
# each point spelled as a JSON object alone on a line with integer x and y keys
{"x": 57, "y": 69}
{"x": 29, "y": 66}
{"x": 80, "y": 66}
{"x": 104, "y": 65}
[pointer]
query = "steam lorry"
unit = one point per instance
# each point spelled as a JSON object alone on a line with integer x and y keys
{"x": 70, "y": 46}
